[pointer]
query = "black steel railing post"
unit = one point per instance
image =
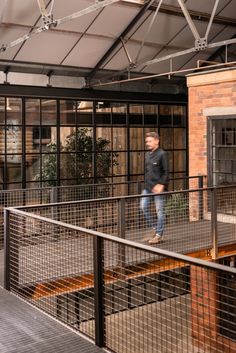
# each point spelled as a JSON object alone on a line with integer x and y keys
{"x": 214, "y": 224}
{"x": 7, "y": 281}
{"x": 98, "y": 256}
{"x": 121, "y": 234}
{"x": 200, "y": 199}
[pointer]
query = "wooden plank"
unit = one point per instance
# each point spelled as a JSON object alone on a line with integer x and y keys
{"x": 72, "y": 284}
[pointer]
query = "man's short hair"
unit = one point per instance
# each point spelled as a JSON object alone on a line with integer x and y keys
{"x": 153, "y": 134}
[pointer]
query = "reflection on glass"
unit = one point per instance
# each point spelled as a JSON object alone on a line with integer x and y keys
{"x": 135, "y": 114}
{"x": 68, "y": 112}
{"x": 2, "y": 140}
{"x": 32, "y": 167}
{"x": 2, "y": 110}
{"x": 104, "y": 161}
{"x": 136, "y": 163}
{"x": 166, "y": 138}
{"x": 14, "y": 172}
{"x": 32, "y": 111}
{"x": 179, "y": 115}
{"x": 49, "y": 169}
{"x": 179, "y": 138}
{"x": 165, "y": 115}
{"x": 49, "y": 111}
{"x": 14, "y": 142}
{"x": 84, "y": 113}
{"x": 179, "y": 161}
{"x": 136, "y": 139}
{"x": 119, "y": 138}
{"x": 67, "y": 133}
{"x": 104, "y": 133}
{"x": 120, "y": 163}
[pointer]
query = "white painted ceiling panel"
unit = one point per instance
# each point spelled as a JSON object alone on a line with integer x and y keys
{"x": 88, "y": 52}
{"x": 186, "y": 37}
{"x": 163, "y": 29}
{"x": 163, "y": 66}
{"x": 229, "y": 10}
{"x": 190, "y": 61}
{"x": 46, "y": 47}
{"x": 105, "y": 24}
{"x": 7, "y": 36}
{"x": 24, "y": 12}
{"x": 120, "y": 61}
{"x": 72, "y": 6}
{"x": 82, "y": 42}
{"x": 203, "y": 5}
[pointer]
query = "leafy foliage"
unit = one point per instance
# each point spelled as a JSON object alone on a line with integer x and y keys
{"x": 77, "y": 159}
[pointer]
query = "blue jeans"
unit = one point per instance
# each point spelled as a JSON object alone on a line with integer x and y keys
{"x": 158, "y": 223}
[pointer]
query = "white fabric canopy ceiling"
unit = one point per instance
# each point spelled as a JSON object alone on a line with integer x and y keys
{"x": 91, "y": 45}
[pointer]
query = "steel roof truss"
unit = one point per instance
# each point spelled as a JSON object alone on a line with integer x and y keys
{"x": 47, "y": 16}
{"x": 200, "y": 43}
{"x": 55, "y": 23}
{"x": 148, "y": 30}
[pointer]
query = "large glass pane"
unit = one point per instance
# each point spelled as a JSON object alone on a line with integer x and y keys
{"x": 136, "y": 114}
{"x": 84, "y": 112}
{"x": 14, "y": 139}
{"x": 68, "y": 138}
{"x": 104, "y": 161}
{"x": 32, "y": 111}
{"x": 31, "y": 142}
{"x": 2, "y": 139}
{"x": 68, "y": 112}
{"x": 2, "y": 110}
{"x": 119, "y": 163}
{"x": 103, "y": 113}
{"x": 14, "y": 172}
{"x": 150, "y": 114}
{"x": 119, "y": 138}
{"x": 179, "y": 138}
{"x": 13, "y": 111}
{"x": 165, "y": 115}
{"x": 49, "y": 111}
{"x": 136, "y": 139}
{"x": 43, "y": 138}
{"x": 179, "y": 115}
{"x": 179, "y": 161}
{"x": 33, "y": 167}
{"x": 136, "y": 163}
{"x": 49, "y": 169}
{"x": 166, "y": 138}
{"x": 103, "y": 135}
{"x": 119, "y": 113}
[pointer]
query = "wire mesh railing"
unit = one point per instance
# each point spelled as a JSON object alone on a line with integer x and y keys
{"x": 13, "y": 198}
{"x": 126, "y": 296}
{"x": 194, "y": 220}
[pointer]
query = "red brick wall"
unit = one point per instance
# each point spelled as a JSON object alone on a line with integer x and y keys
{"x": 216, "y": 89}
{"x": 205, "y": 315}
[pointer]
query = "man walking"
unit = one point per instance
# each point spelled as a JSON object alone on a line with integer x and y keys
{"x": 156, "y": 181}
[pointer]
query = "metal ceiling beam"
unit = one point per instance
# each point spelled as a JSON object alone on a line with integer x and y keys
{"x": 47, "y": 16}
{"x": 195, "y": 15}
{"x": 148, "y": 30}
{"x": 220, "y": 51}
{"x": 55, "y": 23}
{"x": 117, "y": 42}
{"x": 189, "y": 20}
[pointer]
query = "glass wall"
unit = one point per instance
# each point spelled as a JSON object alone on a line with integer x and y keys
{"x": 48, "y": 142}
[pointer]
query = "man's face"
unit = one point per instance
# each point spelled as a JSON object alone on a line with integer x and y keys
{"x": 152, "y": 143}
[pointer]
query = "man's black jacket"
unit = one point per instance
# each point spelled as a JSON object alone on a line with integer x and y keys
{"x": 156, "y": 169}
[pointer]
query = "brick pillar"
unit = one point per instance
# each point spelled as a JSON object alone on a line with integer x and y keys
{"x": 205, "y": 313}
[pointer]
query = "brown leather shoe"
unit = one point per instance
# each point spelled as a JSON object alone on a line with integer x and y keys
{"x": 155, "y": 240}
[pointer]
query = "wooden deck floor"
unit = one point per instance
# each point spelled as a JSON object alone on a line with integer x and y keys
{"x": 67, "y": 265}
